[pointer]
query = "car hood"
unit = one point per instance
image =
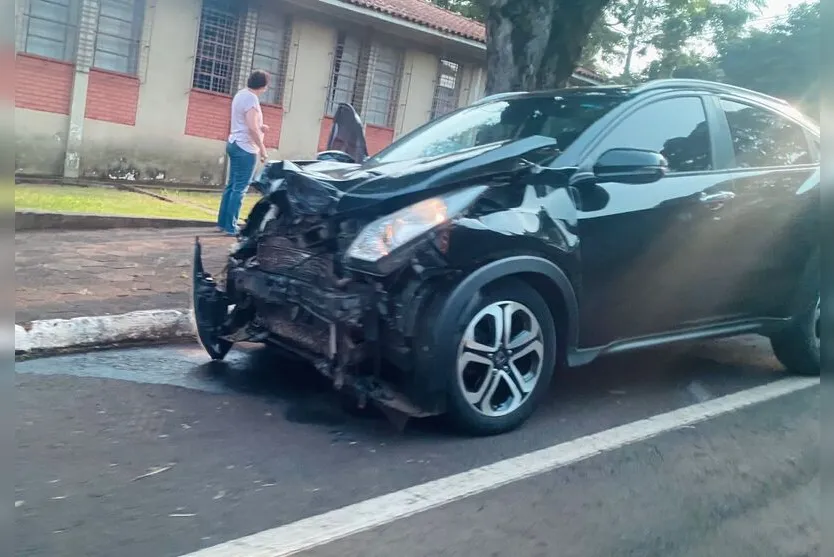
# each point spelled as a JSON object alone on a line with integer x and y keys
{"x": 329, "y": 187}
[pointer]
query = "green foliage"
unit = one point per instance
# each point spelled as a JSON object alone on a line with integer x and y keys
{"x": 472, "y": 9}
{"x": 783, "y": 60}
{"x": 669, "y": 28}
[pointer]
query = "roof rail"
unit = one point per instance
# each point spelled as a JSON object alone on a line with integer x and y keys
{"x": 499, "y": 96}
{"x": 704, "y": 85}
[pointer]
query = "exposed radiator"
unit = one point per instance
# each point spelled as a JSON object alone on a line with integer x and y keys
{"x": 277, "y": 254}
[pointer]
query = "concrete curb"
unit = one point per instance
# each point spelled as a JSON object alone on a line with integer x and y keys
{"x": 54, "y": 335}
{"x": 37, "y": 220}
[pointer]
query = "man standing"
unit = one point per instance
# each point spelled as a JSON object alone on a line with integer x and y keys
{"x": 244, "y": 148}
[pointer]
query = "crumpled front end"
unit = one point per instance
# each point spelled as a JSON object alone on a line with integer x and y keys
{"x": 334, "y": 271}
{"x": 286, "y": 284}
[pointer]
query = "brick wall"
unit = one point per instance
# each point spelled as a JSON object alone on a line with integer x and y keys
{"x": 43, "y": 84}
{"x": 324, "y": 132}
{"x": 112, "y": 97}
{"x": 378, "y": 138}
{"x": 274, "y": 118}
{"x": 208, "y": 115}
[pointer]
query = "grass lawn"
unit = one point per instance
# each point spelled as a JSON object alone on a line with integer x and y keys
{"x": 110, "y": 201}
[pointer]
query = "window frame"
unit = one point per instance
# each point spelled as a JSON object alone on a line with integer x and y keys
{"x": 71, "y": 31}
{"x": 237, "y": 48}
{"x": 459, "y": 72}
{"x": 726, "y": 132}
{"x": 275, "y": 19}
{"x": 356, "y": 89}
{"x": 594, "y": 148}
{"x": 363, "y": 82}
{"x": 134, "y": 42}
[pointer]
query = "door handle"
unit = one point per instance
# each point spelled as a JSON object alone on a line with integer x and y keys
{"x": 717, "y": 197}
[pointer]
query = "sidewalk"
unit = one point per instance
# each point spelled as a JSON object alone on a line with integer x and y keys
{"x": 73, "y": 274}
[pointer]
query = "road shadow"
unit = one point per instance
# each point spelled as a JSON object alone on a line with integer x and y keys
{"x": 681, "y": 375}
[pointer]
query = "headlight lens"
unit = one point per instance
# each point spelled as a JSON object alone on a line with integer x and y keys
{"x": 393, "y": 231}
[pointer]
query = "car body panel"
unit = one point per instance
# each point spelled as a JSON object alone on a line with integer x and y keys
{"x": 622, "y": 265}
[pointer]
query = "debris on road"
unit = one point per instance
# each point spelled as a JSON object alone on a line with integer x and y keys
{"x": 153, "y": 472}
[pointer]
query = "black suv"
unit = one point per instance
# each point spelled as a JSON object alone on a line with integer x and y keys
{"x": 455, "y": 270}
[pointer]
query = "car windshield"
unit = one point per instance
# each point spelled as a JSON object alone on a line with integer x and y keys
{"x": 563, "y": 117}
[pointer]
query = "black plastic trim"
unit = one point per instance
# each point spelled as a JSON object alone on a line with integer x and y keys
{"x": 767, "y": 326}
{"x": 450, "y": 317}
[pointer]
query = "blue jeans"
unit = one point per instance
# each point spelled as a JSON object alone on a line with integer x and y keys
{"x": 241, "y": 167}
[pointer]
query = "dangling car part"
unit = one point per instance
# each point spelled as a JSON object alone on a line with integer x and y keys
{"x": 454, "y": 270}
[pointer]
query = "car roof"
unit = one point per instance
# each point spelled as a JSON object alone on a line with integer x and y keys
{"x": 659, "y": 85}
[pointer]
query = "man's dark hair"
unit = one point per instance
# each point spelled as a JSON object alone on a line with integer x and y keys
{"x": 257, "y": 80}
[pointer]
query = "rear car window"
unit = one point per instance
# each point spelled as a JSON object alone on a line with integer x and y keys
{"x": 762, "y": 138}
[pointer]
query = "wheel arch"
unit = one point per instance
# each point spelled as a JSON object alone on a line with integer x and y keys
{"x": 544, "y": 276}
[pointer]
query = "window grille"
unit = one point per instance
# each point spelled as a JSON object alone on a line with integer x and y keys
{"x": 385, "y": 68}
{"x": 118, "y": 35}
{"x": 272, "y": 45}
{"x": 218, "y": 45}
{"x": 347, "y": 68}
{"x": 368, "y": 77}
{"x": 447, "y": 89}
{"x": 50, "y": 28}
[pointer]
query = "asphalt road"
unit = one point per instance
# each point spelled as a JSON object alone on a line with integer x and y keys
{"x": 154, "y": 452}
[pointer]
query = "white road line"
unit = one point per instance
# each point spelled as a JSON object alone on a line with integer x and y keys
{"x": 341, "y": 523}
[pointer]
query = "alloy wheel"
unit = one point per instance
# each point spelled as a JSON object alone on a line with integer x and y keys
{"x": 500, "y": 358}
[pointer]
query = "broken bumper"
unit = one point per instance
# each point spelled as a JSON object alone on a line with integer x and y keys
{"x": 210, "y": 308}
{"x": 330, "y": 333}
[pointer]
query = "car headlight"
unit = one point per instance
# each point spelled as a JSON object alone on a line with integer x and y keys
{"x": 391, "y": 232}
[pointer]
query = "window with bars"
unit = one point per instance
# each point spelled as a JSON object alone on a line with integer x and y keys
{"x": 367, "y": 76}
{"x": 50, "y": 28}
{"x": 119, "y": 34}
{"x": 218, "y": 45}
{"x": 272, "y": 45}
{"x": 447, "y": 89}
{"x": 383, "y": 86}
{"x": 344, "y": 81}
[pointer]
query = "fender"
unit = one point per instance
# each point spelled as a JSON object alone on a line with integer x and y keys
{"x": 466, "y": 294}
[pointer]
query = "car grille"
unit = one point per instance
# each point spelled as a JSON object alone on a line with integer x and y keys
{"x": 306, "y": 331}
{"x": 277, "y": 254}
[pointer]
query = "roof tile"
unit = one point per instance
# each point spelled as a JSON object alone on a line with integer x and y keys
{"x": 425, "y": 13}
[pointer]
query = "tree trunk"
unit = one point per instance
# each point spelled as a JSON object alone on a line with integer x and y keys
{"x": 536, "y": 44}
{"x": 632, "y": 38}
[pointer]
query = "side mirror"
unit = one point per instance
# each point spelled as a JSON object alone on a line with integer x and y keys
{"x": 630, "y": 166}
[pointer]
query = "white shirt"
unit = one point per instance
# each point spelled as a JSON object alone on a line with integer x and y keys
{"x": 244, "y": 101}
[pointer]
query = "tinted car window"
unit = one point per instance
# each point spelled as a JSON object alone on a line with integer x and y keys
{"x": 763, "y": 138}
{"x": 676, "y": 128}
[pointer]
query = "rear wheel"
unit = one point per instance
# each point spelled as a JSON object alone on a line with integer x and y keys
{"x": 504, "y": 360}
{"x": 798, "y": 347}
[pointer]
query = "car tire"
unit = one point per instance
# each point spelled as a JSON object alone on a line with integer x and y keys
{"x": 798, "y": 346}
{"x": 520, "y": 366}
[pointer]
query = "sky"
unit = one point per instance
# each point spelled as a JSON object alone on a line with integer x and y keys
{"x": 769, "y": 14}
{"x": 773, "y": 10}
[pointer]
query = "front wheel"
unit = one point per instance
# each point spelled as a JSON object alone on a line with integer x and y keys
{"x": 798, "y": 347}
{"x": 505, "y": 360}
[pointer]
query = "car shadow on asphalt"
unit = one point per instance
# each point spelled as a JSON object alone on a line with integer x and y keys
{"x": 682, "y": 374}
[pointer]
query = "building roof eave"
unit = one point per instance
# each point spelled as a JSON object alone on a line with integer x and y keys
{"x": 374, "y": 11}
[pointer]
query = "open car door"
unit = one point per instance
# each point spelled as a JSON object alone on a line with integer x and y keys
{"x": 347, "y": 138}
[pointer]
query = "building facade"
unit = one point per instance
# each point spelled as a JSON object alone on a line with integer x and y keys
{"x": 141, "y": 89}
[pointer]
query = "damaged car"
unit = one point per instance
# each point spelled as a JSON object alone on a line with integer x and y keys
{"x": 455, "y": 271}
